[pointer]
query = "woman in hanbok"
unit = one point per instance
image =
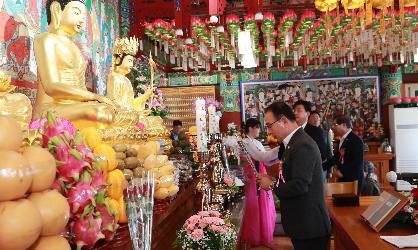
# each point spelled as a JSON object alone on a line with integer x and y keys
{"x": 260, "y": 213}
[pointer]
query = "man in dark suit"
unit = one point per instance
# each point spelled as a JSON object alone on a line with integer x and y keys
{"x": 302, "y": 110}
{"x": 304, "y": 214}
{"x": 349, "y": 155}
{"x": 177, "y": 128}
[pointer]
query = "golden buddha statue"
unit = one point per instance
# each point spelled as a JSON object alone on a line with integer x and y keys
{"x": 118, "y": 87}
{"x": 61, "y": 69}
{"x": 14, "y": 105}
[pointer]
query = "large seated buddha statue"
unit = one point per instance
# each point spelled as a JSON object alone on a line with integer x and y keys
{"x": 61, "y": 69}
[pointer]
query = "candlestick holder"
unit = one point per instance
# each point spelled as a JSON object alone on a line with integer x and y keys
{"x": 203, "y": 183}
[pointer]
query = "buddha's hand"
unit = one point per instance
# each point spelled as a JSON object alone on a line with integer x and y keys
{"x": 107, "y": 101}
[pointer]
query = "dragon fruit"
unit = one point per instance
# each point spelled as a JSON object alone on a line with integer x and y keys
{"x": 108, "y": 221}
{"x": 81, "y": 195}
{"x": 85, "y": 152}
{"x": 59, "y": 186}
{"x": 80, "y": 179}
{"x": 55, "y": 127}
{"x": 98, "y": 180}
{"x": 70, "y": 163}
{"x": 86, "y": 231}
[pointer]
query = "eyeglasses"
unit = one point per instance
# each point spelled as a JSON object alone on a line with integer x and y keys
{"x": 268, "y": 126}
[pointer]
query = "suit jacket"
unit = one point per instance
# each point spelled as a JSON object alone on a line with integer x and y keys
{"x": 173, "y": 136}
{"x": 322, "y": 141}
{"x": 302, "y": 203}
{"x": 349, "y": 159}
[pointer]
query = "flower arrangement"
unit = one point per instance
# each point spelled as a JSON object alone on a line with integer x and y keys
{"x": 80, "y": 179}
{"x": 141, "y": 77}
{"x": 230, "y": 184}
{"x": 206, "y": 231}
{"x": 409, "y": 213}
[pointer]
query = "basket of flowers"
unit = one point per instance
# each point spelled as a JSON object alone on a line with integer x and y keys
{"x": 206, "y": 230}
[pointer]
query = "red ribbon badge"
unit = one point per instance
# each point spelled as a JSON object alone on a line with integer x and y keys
{"x": 281, "y": 177}
{"x": 342, "y": 153}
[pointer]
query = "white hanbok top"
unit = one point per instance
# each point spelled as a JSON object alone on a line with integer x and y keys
{"x": 259, "y": 153}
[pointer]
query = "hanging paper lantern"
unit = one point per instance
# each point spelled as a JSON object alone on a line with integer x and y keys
{"x": 249, "y": 21}
{"x": 287, "y": 21}
{"x": 232, "y": 21}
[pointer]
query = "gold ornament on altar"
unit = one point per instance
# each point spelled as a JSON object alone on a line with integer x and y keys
{"x": 15, "y": 105}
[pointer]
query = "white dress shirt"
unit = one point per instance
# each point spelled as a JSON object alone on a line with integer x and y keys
{"x": 258, "y": 152}
{"x": 343, "y": 138}
{"x": 287, "y": 139}
{"x": 304, "y": 125}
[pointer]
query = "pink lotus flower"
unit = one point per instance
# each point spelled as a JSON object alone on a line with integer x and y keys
{"x": 37, "y": 124}
{"x": 197, "y": 234}
{"x": 140, "y": 125}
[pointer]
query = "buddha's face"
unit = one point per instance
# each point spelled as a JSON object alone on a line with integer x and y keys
{"x": 73, "y": 17}
{"x": 126, "y": 65}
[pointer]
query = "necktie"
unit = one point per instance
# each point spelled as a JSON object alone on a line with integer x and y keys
{"x": 281, "y": 151}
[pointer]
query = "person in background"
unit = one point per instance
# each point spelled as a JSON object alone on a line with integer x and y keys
{"x": 175, "y": 131}
{"x": 349, "y": 155}
{"x": 301, "y": 191}
{"x": 260, "y": 213}
{"x": 314, "y": 119}
{"x": 302, "y": 110}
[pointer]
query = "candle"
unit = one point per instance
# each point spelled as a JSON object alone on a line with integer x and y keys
{"x": 212, "y": 119}
{"x": 201, "y": 125}
{"x": 217, "y": 124}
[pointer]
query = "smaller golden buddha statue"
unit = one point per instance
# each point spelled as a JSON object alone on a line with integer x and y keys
{"x": 14, "y": 105}
{"x": 118, "y": 87}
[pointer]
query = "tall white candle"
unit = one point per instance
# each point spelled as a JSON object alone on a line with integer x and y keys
{"x": 217, "y": 130}
{"x": 212, "y": 119}
{"x": 201, "y": 125}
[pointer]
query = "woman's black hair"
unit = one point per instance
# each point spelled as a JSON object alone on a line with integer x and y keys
{"x": 251, "y": 123}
